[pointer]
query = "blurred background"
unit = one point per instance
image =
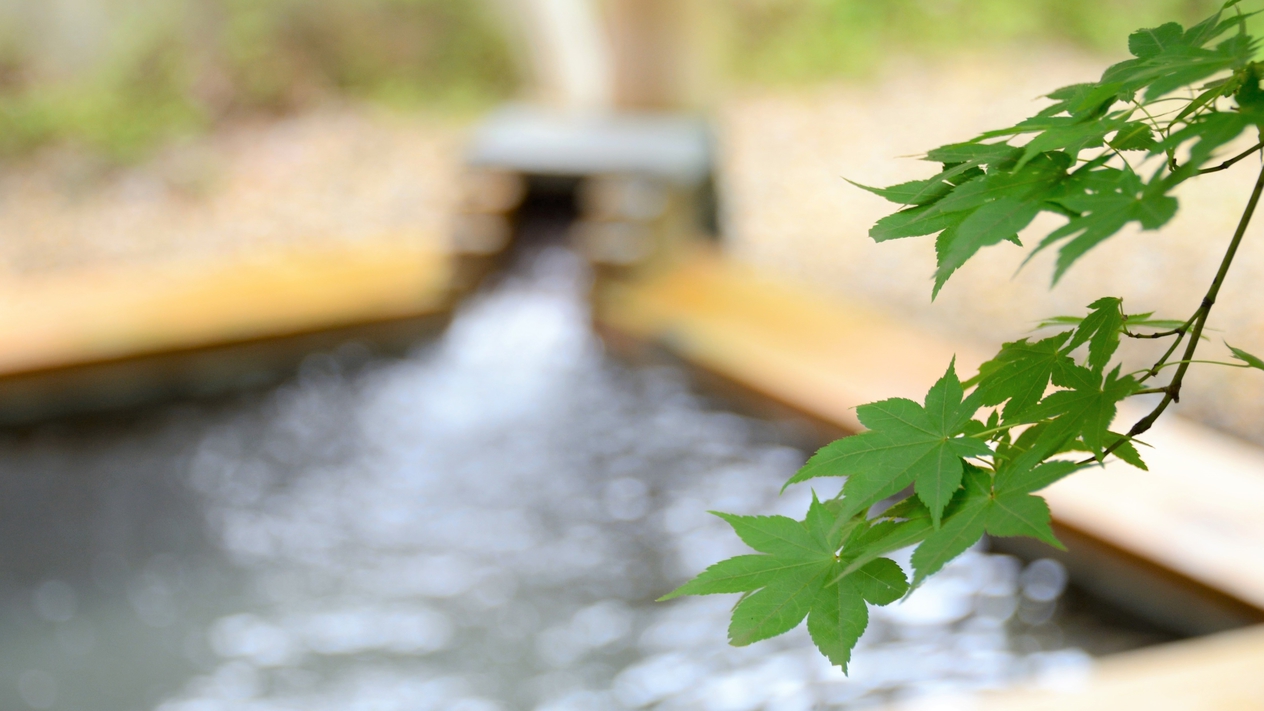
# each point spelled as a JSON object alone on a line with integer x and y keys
{"x": 122, "y": 77}
{"x": 303, "y": 402}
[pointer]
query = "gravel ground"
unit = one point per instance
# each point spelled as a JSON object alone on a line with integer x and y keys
{"x": 336, "y": 176}
{"x": 787, "y": 207}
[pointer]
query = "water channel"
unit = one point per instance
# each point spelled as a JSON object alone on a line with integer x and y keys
{"x": 480, "y": 526}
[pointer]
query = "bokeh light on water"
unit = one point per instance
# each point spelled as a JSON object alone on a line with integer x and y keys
{"x": 481, "y": 526}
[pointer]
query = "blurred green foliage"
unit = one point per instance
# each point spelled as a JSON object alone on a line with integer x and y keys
{"x": 446, "y": 52}
{"x": 164, "y": 68}
{"x": 158, "y": 69}
{"x": 790, "y": 41}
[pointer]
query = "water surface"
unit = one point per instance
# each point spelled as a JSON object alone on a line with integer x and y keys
{"x": 481, "y": 526}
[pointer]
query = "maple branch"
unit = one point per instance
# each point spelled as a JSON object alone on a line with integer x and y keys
{"x": 1179, "y": 330}
{"x": 1158, "y": 365}
{"x": 1229, "y": 163}
{"x": 1172, "y": 392}
{"x": 1159, "y": 334}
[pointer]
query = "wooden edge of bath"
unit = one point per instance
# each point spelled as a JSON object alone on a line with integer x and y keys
{"x": 823, "y": 357}
{"x": 109, "y": 335}
{"x": 1221, "y": 671}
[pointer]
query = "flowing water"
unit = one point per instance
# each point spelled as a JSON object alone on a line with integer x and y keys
{"x": 481, "y": 526}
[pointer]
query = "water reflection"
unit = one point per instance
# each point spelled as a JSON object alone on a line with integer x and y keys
{"x": 480, "y": 527}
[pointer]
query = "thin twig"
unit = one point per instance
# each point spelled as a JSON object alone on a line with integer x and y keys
{"x": 1180, "y": 336}
{"x": 1229, "y": 163}
{"x": 1173, "y": 390}
{"x": 1157, "y": 334}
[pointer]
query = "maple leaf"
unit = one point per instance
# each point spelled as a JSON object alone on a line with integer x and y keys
{"x": 1084, "y": 411}
{"x": 795, "y": 575}
{"x": 980, "y": 508}
{"x": 1020, "y": 373}
{"x": 1100, "y": 329}
{"x": 1251, "y": 360}
{"x": 906, "y": 443}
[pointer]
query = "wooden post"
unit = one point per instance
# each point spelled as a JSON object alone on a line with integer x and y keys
{"x": 597, "y": 55}
{"x": 646, "y": 38}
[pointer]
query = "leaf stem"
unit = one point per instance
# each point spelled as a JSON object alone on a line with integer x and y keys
{"x": 1207, "y": 362}
{"x": 1002, "y": 428}
{"x": 1153, "y": 121}
{"x": 1159, "y": 334}
{"x": 1180, "y": 336}
{"x": 1229, "y": 163}
{"x": 1173, "y": 389}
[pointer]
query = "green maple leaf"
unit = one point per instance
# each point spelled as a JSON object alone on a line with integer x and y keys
{"x": 1069, "y": 134}
{"x": 1148, "y": 322}
{"x": 1020, "y": 373}
{"x": 1083, "y": 101}
{"x": 1251, "y": 360}
{"x": 906, "y": 444}
{"x": 1181, "y": 66}
{"x": 827, "y": 527}
{"x": 742, "y": 573}
{"x": 921, "y": 192}
{"x": 881, "y": 581}
{"x": 1035, "y": 178}
{"x": 839, "y": 615}
{"x": 1084, "y": 411}
{"x": 837, "y": 620}
{"x": 979, "y": 509}
{"x": 914, "y": 222}
{"x": 992, "y": 209}
{"x": 1125, "y": 450}
{"x": 915, "y": 192}
{"x": 797, "y": 574}
{"x": 879, "y": 537}
{"x": 959, "y": 203}
{"x": 779, "y": 606}
{"x": 1106, "y": 201}
{"x": 1133, "y": 136}
{"x": 975, "y": 153}
{"x": 1167, "y": 64}
{"x": 1203, "y": 135}
{"x": 992, "y": 223}
{"x": 1151, "y": 42}
{"x": 1025, "y": 480}
{"x": 789, "y": 551}
{"x": 1100, "y": 329}
{"x": 1212, "y": 27}
{"x": 1206, "y": 100}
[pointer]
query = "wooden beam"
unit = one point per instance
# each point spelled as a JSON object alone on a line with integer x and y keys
{"x": 83, "y": 316}
{"x": 108, "y": 334}
{"x": 1220, "y": 672}
{"x": 817, "y": 355}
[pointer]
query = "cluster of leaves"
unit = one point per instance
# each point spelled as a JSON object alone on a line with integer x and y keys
{"x": 968, "y": 459}
{"x": 1072, "y": 160}
{"x": 968, "y": 476}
